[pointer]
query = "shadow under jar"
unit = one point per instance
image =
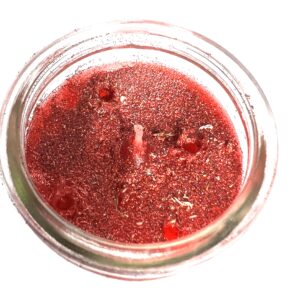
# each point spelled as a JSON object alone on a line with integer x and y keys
{"x": 143, "y": 44}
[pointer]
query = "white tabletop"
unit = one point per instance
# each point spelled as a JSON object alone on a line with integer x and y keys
{"x": 265, "y": 261}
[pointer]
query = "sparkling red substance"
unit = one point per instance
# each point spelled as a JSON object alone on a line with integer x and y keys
{"x": 135, "y": 154}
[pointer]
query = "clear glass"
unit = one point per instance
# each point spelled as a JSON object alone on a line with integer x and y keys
{"x": 188, "y": 52}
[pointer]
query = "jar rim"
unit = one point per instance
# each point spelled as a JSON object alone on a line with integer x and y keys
{"x": 91, "y": 249}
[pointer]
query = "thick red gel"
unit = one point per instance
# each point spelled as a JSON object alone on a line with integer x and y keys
{"x": 138, "y": 154}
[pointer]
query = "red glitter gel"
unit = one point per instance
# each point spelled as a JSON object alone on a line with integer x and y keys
{"x": 138, "y": 154}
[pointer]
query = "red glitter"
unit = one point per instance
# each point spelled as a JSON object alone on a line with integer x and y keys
{"x": 139, "y": 154}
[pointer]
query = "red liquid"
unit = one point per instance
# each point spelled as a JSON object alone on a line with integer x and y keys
{"x": 138, "y": 154}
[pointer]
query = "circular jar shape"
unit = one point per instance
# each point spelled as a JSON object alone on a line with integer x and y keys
{"x": 187, "y": 52}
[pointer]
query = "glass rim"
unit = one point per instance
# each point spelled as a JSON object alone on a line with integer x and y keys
{"x": 238, "y": 215}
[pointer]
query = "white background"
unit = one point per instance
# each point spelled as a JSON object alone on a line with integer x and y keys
{"x": 265, "y": 261}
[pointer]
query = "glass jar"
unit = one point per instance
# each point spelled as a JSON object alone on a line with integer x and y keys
{"x": 188, "y": 52}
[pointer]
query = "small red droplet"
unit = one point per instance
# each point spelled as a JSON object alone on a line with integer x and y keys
{"x": 191, "y": 147}
{"x": 105, "y": 94}
{"x": 190, "y": 141}
{"x": 170, "y": 232}
{"x": 63, "y": 202}
{"x": 63, "y": 198}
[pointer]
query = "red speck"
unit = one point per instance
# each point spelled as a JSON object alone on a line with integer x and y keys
{"x": 190, "y": 141}
{"x": 105, "y": 94}
{"x": 170, "y": 231}
{"x": 63, "y": 202}
{"x": 191, "y": 147}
